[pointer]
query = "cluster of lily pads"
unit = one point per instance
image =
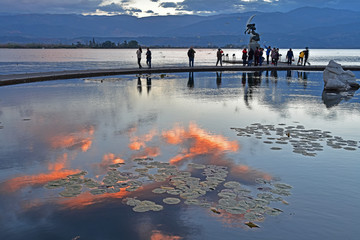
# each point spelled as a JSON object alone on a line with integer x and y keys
{"x": 191, "y": 187}
{"x": 304, "y": 141}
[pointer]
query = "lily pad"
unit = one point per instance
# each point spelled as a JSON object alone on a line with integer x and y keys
{"x": 232, "y": 184}
{"x": 97, "y": 191}
{"x": 159, "y": 190}
{"x": 171, "y": 200}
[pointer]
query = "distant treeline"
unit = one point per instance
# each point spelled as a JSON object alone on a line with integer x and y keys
{"x": 90, "y": 44}
{"x": 95, "y": 45}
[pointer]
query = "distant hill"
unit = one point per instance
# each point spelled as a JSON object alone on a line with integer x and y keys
{"x": 313, "y": 27}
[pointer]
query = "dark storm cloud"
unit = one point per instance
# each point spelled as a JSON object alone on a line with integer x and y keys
{"x": 196, "y": 6}
{"x": 46, "y": 6}
{"x": 168, "y": 5}
{"x": 218, "y": 6}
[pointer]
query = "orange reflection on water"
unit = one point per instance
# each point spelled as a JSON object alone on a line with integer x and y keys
{"x": 148, "y": 152}
{"x": 197, "y": 141}
{"x": 17, "y": 183}
{"x": 248, "y": 173}
{"x": 59, "y": 164}
{"x": 57, "y": 171}
{"x": 136, "y": 143}
{"x": 86, "y": 198}
{"x": 79, "y": 140}
{"x": 157, "y": 235}
{"x": 111, "y": 158}
{"x": 230, "y": 220}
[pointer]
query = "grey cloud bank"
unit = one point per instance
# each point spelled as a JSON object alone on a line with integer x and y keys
{"x": 195, "y": 6}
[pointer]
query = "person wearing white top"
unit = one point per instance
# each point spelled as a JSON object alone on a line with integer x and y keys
{"x": 138, "y": 54}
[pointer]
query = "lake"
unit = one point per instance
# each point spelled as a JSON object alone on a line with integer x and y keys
{"x": 231, "y": 155}
{"x": 44, "y": 60}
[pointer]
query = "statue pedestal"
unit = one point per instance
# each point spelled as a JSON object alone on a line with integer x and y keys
{"x": 254, "y": 45}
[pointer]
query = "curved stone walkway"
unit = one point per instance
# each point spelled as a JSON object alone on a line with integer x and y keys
{"x": 47, "y": 76}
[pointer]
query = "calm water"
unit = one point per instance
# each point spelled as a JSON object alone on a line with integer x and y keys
{"x": 50, "y": 130}
{"x": 44, "y": 60}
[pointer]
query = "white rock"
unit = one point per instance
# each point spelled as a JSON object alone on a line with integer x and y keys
{"x": 335, "y": 78}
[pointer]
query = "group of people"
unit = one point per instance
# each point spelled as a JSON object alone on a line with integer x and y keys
{"x": 303, "y": 57}
{"x": 249, "y": 57}
{"x": 148, "y": 57}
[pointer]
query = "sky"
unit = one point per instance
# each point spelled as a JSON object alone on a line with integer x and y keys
{"x": 143, "y": 8}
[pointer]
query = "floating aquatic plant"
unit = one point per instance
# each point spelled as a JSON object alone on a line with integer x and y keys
{"x": 171, "y": 200}
{"x": 304, "y": 141}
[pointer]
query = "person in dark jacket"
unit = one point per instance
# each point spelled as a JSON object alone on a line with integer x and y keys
{"x": 256, "y": 56}
{"x": 268, "y": 51}
{"x": 261, "y": 52}
{"x": 191, "y": 54}
{"x": 148, "y": 57}
{"x": 306, "y": 56}
{"x": 251, "y": 57}
{"x": 219, "y": 55}
{"x": 244, "y": 56}
{"x": 289, "y": 56}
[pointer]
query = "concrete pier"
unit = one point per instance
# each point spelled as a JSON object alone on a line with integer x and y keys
{"x": 47, "y": 76}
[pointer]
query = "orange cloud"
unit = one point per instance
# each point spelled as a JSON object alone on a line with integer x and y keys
{"x": 136, "y": 143}
{"x": 17, "y": 183}
{"x": 198, "y": 142}
{"x": 157, "y": 235}
{"x": 148, "y": 152}
{"x": 57, "y": 171}
{"x": 78, "y": 140}
{"x": 111, "y": 158}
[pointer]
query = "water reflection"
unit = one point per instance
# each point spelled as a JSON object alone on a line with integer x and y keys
{"x": 218, "y": 79}
{"x": 139, "y": 86}
{"x": 333, "y": 98}
{"x": 90, "y": 126}
{"x": 303, "y": 76}
{"x": 190, "y": 82}
{"x": 148, "y": 84}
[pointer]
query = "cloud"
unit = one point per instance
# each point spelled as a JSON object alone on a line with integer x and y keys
{"x": 112, "y": 8}
{"x": 46, "y": 6}
{"x": 136, "y": 6}
{"x": 224, "y": 6}
{"x": 168, "y": 5}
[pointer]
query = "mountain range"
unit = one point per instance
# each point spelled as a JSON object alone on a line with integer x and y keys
{"x": 308, "y": 26}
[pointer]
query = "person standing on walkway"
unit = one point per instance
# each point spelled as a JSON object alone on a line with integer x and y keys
{"x": 261, "y": 52}
{"x": 289, "y": 56}
{"x": 306, "y": 56}
{"x": 301, "y": 58}
{"x": 268, "y": 51}
{"x": 251, "y": 56}
{"x": 148, "y": 57}
{"x": 256, "y": 56}
{"x": 244, "y": 56}
{"x": 219, "y": 55}
{"x": 138, "y": 54}
{"x": 191, "y": 54}
{"x": 275, "y": 56}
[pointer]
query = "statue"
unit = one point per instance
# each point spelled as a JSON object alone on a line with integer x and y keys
{"x": 254, "y": 36}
